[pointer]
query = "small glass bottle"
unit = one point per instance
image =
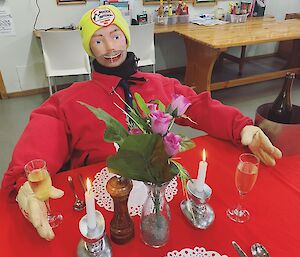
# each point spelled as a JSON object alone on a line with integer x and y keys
{"x": 155, "y": 218}
{"x": 121, "y": 225}
{"x": 281, "y": 110}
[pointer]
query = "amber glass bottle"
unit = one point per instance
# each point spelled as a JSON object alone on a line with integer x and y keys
{"x": 121, "y": 225}
{"x": 281, "y": 110}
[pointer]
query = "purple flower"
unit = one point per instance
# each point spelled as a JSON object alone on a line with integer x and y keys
{"x": 160, "y": 122}
{"x": 180, "y": 103}
{"x": 135, "y": 131}
{"x": 172, "y": 143}
{"x": 152, "y": 107}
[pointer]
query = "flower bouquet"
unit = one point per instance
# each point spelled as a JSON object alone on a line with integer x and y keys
{"x": 146, "y": 153}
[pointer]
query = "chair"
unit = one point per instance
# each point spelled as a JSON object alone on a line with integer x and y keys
{"x": 64, "y": 54}
{"x": 142, "y": 44}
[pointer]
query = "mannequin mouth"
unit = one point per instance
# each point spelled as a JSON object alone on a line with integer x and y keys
{"x": 113, "y": 57}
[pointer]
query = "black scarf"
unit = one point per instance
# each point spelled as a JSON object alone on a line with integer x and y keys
{"x": 124, "y": 71}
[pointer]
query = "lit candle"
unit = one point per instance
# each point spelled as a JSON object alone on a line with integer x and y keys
{"x": 202, "y": 172}
{"x": 90, "y": 206}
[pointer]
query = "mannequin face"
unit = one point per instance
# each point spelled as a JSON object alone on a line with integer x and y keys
{"x": 109, "y": 46}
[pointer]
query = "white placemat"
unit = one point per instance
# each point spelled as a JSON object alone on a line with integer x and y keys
{"x": 196, "y": 252}
{"x": 137, "y": 196}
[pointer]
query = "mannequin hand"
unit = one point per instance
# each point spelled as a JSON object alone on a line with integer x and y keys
{"x": 36, "y": 209}
{"x": 260, "y": 145}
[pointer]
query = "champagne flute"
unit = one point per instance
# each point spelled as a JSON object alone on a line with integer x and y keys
{"x": 245, "y": 178}
{"x": 40, "y": 183}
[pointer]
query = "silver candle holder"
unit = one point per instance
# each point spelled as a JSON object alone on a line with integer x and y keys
{"x": 196, "y": 209}
{"x": 94, "y": 242}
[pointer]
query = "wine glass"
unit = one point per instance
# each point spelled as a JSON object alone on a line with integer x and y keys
{"x": 40, "y": 183}
{"x": 245, "y": 178}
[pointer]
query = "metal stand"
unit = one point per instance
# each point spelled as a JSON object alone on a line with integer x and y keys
{"x": 195, "y": 209}
{"x": 94, "y": 243}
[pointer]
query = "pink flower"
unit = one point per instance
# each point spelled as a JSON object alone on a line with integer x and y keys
{"x": 160, "y": 122}
{"x": 172, "y": 143}
{"x": 180, "y": 103}
{"x": 152, "y": 107}
{"x": 135, "y": 131}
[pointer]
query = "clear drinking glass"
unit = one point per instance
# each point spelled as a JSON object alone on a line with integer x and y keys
{"x": 40, "y": 183}
{"x": 245, "y": 178}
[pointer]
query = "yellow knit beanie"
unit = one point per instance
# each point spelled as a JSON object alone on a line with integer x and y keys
{"x": 97, "y": 18}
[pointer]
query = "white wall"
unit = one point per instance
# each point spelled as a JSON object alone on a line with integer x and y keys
{"x": 280, "y": 8}
{"x": 21, "y": 61}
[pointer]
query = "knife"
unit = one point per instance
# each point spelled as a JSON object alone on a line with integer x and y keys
{"x": 238, "y": 249}
{"x": 81, "y": 182}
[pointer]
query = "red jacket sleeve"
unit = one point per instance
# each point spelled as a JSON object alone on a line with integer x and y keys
{"x": 211, "y": 116}
{"x": 45, "y": 138}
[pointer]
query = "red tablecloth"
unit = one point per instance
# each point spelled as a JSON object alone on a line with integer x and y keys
{"x": 274, "y": 204}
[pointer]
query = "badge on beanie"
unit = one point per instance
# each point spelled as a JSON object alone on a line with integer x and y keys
{"x": 102, "y": 17}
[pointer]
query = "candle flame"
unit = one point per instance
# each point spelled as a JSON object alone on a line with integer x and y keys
{"x": 88, "y": 184}
{"x": 203, "y": 155}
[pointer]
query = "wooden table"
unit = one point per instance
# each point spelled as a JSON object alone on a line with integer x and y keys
{"x": 158, "y": 29}
{"x": 205, "y": 44}
{"x": 3, "y": 93}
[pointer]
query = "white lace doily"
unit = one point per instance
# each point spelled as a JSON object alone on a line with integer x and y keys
{"x": 137, "y": 196}
{"x": 196, "y": 252}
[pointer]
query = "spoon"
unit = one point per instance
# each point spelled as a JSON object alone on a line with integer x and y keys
{"x": 259, "y": 250}
{"x": 78, "y": 205}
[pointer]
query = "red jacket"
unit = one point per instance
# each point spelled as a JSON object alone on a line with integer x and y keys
{"x": 61, "y": 129}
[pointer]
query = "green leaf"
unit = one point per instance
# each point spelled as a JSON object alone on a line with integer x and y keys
{"x": 182, "y": 172}
{"x": 140, "y": 122}
{"x": 183, "y": 175}
{"x": 133, "y": 114}
{"x": 114, "y": 132}
{"x": 186, "y": 144}
{"x": 160, "y": 160}
{"x": 142, "y": 157}
{"x": 141, "y": 103}
{"x": 174, "y": 168}
{"x": 136, "y": 109}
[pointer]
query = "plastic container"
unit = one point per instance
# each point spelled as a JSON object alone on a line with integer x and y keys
{"x": 284, "y": 136}
{"x": 238, "y": 18}
{"x": 183, "y": 18}
{"x": 174, "y": 19}
{"x": 160, "y": 20}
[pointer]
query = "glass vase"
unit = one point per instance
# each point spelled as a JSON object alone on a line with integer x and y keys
{"x": 155, "y": 217}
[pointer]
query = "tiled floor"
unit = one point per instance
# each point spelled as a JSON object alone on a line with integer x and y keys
{"x": 14, "y": 113}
